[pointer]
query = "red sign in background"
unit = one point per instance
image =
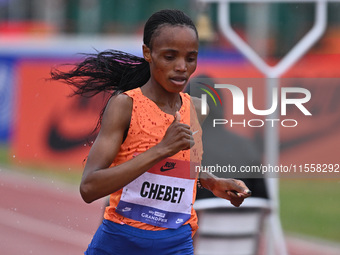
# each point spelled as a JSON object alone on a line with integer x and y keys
{"x": 53, "y": 128}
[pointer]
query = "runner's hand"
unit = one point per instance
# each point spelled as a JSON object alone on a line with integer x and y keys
{"x": 231, "y": 189}
{"x": 177, "y": 137}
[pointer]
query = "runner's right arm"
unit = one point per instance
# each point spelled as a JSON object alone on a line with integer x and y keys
{"x": 99, "y": 179}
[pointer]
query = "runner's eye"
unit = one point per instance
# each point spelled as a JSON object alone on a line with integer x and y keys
{"x": 192, "y": 58}
{"x": 169, "y": 57}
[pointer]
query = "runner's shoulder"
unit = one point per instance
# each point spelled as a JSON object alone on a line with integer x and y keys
{"x": 119, "y": 108}
{"x": 198, "y": 107}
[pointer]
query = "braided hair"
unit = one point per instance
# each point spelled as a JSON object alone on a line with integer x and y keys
{"x": 115, "y": 71}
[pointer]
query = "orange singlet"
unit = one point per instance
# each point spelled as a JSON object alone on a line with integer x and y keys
{"x": 163, "y": 196}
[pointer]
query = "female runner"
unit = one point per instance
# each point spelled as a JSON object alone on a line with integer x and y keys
{"x": 149, "y": 139}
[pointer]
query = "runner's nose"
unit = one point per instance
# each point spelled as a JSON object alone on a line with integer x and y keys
{"x": 181, "y": 65}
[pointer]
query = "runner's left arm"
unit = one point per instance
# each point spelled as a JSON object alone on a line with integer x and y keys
{"x": 231, "y": 189}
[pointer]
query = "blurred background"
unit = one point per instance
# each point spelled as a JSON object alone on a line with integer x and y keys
{"x": 45, "y": 135}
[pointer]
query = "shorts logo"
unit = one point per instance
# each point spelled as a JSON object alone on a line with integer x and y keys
{"x": 126, "y": 209}
{"x": 179, "y": 220}
{"x": 168, "y": 166}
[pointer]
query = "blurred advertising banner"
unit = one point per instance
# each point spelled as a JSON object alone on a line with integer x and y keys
{"x": 7, "y": 83}
{"x": 53, "y": 128}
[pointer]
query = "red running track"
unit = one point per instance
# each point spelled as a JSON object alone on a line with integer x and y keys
{"x": 39, "y": 216}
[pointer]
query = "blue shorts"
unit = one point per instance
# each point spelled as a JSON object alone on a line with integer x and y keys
{"x": 115, "y": 239}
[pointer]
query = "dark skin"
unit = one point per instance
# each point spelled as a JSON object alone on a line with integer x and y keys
{"x": 172, "y": 60}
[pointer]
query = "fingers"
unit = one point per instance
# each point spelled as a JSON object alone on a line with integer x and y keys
{"x": 177, "y": 117}
{"x": 233, "y": 190}
{"x": 185, "y": 136}
{"x": 239, "y": 188}
{"x": 236, "y": 202}
{"x": 183, "y": 129}
{"x": 234, "y": 198}
{"x": 178, "y": 136}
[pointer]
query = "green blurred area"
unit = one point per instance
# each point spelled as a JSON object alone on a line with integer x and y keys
{"x": 287, "y": 22}
{"x": 4, "y": 155}
{"x": 311, "y": 207}
{"x": 64, "y": 174}
{"x": 308, "y": 207}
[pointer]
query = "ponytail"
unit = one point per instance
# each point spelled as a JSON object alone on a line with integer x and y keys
{"x": 113, "y": 71}
{"x": 109, "y": 71}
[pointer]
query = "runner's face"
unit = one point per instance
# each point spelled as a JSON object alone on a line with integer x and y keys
{"x": 173, "y": 57}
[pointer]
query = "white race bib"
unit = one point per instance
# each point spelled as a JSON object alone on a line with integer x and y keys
{"x": 161, "y": 197}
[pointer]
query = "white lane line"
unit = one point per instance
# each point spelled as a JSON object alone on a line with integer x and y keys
{"x": 45, "y": 229}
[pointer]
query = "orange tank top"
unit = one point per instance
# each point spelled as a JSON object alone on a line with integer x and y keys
{"x": 163, "y": 196}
